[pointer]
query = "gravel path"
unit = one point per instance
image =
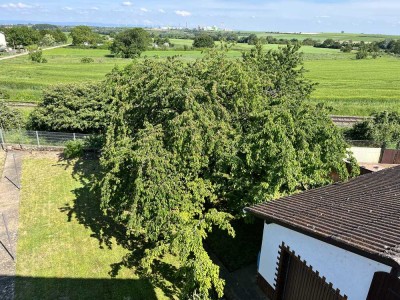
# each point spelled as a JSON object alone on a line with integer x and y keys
{"x": 9, "y": 203}
{"x": 27, "y": 52}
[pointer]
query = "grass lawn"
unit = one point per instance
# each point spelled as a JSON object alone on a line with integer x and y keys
{"x": 62, "y": 250}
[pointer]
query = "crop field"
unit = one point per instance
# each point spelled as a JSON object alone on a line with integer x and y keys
{"x": 350, "y": 86}
{"x": 66, "y": 248}
{"x": 355, "y": 37}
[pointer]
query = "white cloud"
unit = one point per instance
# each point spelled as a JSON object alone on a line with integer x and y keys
{"x": 127, "y": 3}
{"x": 183, "y": 13}
{"x": 144, "y": 9}
{"x": 67, "y": 8}
{"x": 161, "y": 11}
{"x": 18, "y": 5}
{"x": 94, "y": 8}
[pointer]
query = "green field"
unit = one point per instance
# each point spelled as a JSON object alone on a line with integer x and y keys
{"x": 355, "y": 37}
{"x": 350, "y": 86}
{"x": 66, "y": 248}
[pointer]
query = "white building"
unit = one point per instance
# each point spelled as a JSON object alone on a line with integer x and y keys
{"x": 349, "y": 233}
{"x": 3, "y": 42}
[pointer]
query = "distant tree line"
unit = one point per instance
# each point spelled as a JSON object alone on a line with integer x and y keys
{"x": 45, "y": 35}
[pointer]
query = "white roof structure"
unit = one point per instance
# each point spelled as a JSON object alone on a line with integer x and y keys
{"x": 3, "y": 42}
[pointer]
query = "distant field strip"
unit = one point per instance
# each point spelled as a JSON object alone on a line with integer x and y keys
{"x": 350, "y": 86}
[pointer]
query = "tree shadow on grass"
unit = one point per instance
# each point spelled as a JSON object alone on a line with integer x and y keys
{"x": 80, "y": 288}
{"x": 86, "y": 209}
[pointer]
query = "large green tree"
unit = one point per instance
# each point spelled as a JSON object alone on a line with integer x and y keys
{"x": 84, "y": 34}
{"x": 130, "y": 43}
{"x": 21, "y": 36}
{"x": 203, "y": 40}
{"x": 189, "y": 145}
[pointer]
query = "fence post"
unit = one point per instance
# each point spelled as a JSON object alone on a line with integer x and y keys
{"x": 74, "y": 136}
{"x": 37, "y": 138}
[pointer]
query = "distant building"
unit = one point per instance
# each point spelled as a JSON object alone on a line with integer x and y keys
{"x": 3, "y": 42}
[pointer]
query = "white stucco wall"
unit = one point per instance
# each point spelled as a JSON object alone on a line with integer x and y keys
{"x": 2, "y": 40}
{"x": 349, "y": 272}
{"x": 366, "y": 155}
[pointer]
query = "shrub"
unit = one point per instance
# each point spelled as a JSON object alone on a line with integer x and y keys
{"x": 9, "y": 118}
{"x": 73, "y": 149}
{"x": 37, "y": 56}
{"x": 4, "y": 94}
{"x": 362, "y": 54}
{"x": 87, "y": 60}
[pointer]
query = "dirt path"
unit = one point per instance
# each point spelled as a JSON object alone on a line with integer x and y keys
{"x": 26, "y": 53}
{"x": 9, "y": 204}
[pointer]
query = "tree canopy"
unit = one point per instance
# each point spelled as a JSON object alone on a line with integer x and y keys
{"x": 21, "y": 36}
{"x": 130, "y": 43}
{"x": 189, "y": 145}
{"x": 84, "y": 34}
{"x": 71, "y": 108}
{"x": 203, "y": 40}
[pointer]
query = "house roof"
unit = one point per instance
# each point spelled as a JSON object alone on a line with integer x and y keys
{"x": 361, "y": 215}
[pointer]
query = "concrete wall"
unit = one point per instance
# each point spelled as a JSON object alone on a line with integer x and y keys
{"x": 2, "y": 40}
{"x": 349, "y": 272}
{"x": 366, "y": 155}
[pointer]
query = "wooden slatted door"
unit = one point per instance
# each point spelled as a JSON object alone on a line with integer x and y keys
{"x": 297, "y": 281}
{"x": 384, "y": 287}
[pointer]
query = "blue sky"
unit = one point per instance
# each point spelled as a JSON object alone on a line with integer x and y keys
{"x": 368, "y": 16}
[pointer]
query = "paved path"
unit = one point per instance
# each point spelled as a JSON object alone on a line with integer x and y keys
{"x": 27, "y": 52}
{"x": 240, "y": 284}
{"x": 9, "y": 204}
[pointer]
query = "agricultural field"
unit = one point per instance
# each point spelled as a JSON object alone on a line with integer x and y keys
{"x": 350, "y": 86}
{"x": 66, "y": 248}
{"x": 355, "y": 37}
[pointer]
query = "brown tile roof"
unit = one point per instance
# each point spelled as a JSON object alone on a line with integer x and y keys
{"x": 361, "y": 215}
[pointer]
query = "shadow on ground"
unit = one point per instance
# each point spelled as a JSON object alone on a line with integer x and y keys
{"x": 65, "y": 288}
{"x": 86, "y": 209}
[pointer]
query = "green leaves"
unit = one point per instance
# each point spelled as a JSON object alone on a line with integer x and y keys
{"x": 189, "y": 145}
{"x": 130, "y": 43}
{"x": 72, "y": 108}
{"x": 9, "y": 118}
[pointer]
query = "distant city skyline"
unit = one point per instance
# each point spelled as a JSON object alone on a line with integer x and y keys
{"x": 368, "y": 16}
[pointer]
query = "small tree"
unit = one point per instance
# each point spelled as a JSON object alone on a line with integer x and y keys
{"x": 84, "y": 34}
{"x": 47, "y": 40}
{"x": 252, "y": 39}
{"x": 130, "y": 43}
{"x": 203, "y": 41}
{"x": 36, "y": 55}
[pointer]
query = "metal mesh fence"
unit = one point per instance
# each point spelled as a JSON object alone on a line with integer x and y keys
{"x": 39, "y": 138}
